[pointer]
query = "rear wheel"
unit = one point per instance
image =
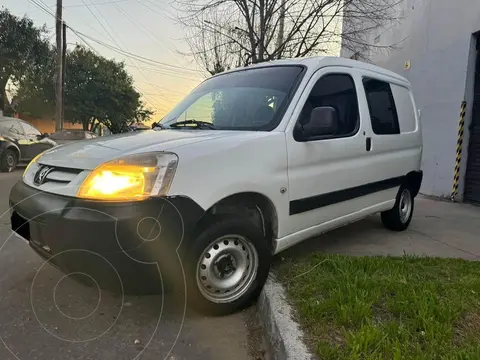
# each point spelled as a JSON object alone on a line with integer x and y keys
{"x": 8, "y": 160}
{"x": 399, "y": 217}
{"x": 227, "y": 265}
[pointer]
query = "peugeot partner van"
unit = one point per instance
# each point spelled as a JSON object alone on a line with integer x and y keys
{"x": 252, "y": 162}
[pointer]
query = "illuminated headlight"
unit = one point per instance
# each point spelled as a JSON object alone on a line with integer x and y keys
{"x": 134, "y": 177}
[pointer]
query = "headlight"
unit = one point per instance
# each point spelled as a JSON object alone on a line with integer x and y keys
{"x": 134, "y": 177}
{"x": 33, "y": 161}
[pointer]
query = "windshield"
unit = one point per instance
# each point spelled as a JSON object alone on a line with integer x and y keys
{"x": 253, "y": 99}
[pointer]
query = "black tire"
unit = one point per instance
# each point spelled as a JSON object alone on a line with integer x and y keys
{"x": 213, "y": 229}
{"x": 8, "y": 160}
{"x": 398, "y": 219}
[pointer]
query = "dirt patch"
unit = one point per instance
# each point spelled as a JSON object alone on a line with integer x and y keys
{"x": 467, "y": 327}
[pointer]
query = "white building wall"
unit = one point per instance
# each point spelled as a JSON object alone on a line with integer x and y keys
{"x": 435, "y": 37}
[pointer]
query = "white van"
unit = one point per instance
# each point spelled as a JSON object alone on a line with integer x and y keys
{"x": 253, "y": 161}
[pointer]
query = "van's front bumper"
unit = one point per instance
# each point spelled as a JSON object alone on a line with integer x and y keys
{"x": 127, "y": 247}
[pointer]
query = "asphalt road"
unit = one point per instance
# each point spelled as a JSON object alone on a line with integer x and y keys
{"x": 44, "y": 315}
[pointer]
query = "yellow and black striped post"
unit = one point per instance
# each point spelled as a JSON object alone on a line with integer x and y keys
{"x": 458, "y": 158}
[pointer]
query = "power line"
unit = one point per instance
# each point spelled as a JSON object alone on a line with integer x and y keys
{"x": 137, "y": 57}
{"x": 140, "y": 26}
{"x": 43, "y": 7}
{"x": 136, "y": 66}
{"x": 95, "y": 51}
{"x": 40, "y": 4}
{"x": 156, "y": 5}
{"x": 111, "y": 37}
{"x": 91, "y": 47}
{"x": 171, "y": 91}
{"x": 163, "y": 72}
{"x": 117, "y": 49}
{"x": 100, "y": 3}
{"x": 145, "y": 59}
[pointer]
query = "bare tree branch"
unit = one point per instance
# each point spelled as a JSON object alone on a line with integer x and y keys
{"x": 223, "y": 34}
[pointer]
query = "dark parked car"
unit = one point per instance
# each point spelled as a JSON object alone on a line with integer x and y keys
{"x": 67, "y": 136}
{"x": 20, "y": 142}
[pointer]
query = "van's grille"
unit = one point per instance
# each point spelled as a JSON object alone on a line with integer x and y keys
{"x": 62, "y": 175}
{"x": 58, "y": 175}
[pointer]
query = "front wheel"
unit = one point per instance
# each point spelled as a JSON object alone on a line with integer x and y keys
{"x": 8, "y": 161}
{"x": 399, "y": 217}
{"x": 227, "y": 265}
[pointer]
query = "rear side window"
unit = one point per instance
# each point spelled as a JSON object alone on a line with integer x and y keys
{"x": 405, "y": 108}
{"x": 383, "y": 112}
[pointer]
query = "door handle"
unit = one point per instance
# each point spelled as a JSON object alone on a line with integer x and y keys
{"x": 368, "y": 143}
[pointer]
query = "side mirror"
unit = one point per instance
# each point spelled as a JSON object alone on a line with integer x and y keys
{"x": 323, "y": 122}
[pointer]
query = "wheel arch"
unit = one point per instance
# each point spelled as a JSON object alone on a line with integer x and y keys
{"x": 8, "y": 145}
{"x": 16, "y": 149}
{"x": 253, "y": 205}
{"x": 414, "y": 181}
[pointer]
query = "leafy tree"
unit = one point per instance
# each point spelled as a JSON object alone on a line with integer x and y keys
{"x": 97, "y": 91}
{"x": 22, "y": 50}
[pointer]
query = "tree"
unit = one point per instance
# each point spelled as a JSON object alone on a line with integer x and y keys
{"x": 97, "y": 91}
{"x": 228, "y": 33}
{"x": 211, "y": 50}
{"x": 22, "y": 50}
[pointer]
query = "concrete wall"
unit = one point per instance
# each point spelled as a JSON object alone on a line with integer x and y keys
{"x": 436, "y": 38}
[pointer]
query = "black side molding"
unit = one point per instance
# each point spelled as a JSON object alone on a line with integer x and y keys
{"x": 318, "y": 201}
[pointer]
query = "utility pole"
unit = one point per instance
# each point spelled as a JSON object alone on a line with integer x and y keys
{"x": 281, "y": 29}
{"x": 64, "y": 70}
{"x": 59, "y": 87}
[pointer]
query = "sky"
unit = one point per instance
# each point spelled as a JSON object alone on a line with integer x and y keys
{"x": 143, "y": 27}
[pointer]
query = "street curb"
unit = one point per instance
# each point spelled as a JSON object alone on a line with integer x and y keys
{"x": 282, "y": 333}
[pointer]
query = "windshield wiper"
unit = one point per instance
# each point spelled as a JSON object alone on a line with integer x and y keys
{"x": 198, "y": 124}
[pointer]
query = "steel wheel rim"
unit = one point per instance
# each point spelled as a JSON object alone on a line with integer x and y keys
{"x": 405, "y": 206}
{"x": 227, "y": 268}
{"x": 10, "y": 160}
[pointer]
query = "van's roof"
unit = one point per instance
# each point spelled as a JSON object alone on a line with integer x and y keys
{"x": 321, "y": 61}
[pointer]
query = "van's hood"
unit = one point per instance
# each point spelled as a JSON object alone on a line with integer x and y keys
{"x": 88, "y": 154}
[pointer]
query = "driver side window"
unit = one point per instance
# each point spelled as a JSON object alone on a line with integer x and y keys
{"x": 338, "y": 92}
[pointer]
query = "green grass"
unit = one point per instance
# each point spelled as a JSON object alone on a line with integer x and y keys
{"x": 376, "y": 308}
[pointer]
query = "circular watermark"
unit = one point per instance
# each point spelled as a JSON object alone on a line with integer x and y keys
{"x": 66, "y": 276}
{"x": 149, "y": 229}
{"x": 155, "y": 234}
